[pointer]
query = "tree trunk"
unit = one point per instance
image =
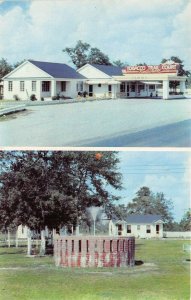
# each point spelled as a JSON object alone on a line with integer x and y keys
{"x": 8, "y": 238}
{"x": 43, "y": 243}
{"x": 16, "y": 239}
{"x": 29, "y": 242}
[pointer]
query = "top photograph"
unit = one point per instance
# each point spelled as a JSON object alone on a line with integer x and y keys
{"x": 95, "y": 75}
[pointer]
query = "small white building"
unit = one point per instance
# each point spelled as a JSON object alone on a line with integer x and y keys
{"x": 141, "y": 226}
{"x": 100, "y": 81}
{"x": 42, "y": 79}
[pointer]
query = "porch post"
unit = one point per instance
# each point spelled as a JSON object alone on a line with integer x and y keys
{"x": 53, "y": 88}
{"x": 165, "y": 89}
{"x": 182, "y": 87}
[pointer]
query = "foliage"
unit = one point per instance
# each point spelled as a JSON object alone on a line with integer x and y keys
{"x": 120, "y": 63}
{"x": 54, "y": 189}
{"x": 18, "y": 63}
{"x": 185, "y": 223}
{"x": 5, "y": 68}
{"x": 176, "y": 59}
{"x": 33, "y": 97}
{"x": 147, "y": 202}
{"x": 83, "y": 53}
{"x": 16, "y": 97}
{"x": 141, "y": 64}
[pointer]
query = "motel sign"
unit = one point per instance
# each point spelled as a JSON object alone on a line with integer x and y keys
{"x": 162, "y": 68}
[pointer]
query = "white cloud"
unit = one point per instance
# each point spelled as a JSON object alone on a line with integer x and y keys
{"x": 133, "y": 30}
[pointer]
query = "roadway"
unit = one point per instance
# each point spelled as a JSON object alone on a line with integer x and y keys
{"x": 108, "y": 123}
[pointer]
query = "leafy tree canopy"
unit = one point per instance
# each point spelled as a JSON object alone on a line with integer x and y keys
{"x": 83, "y": 53}
{"x": 176, "y": 59}
{"x": 146, "y": 202}
{"x": 120, "y": 63}
{"x": 53, "y": 189}
{"x": 5, "y": 68}
{"x": 185, "y": 223}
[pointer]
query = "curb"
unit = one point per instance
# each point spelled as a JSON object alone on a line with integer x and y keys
{"x": 11, "y": 110}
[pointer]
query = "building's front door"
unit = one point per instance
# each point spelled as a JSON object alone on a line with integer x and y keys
{"x": 120, "y": 229}
{"x": 157, "y": 229}
{"x": 90, "y": 90}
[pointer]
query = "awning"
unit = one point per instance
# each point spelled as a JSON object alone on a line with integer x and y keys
{"x": 102, "y": 82}
{"x": 151, "y": 82}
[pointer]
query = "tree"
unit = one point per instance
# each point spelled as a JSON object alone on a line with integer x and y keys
{"x": 83, "y": 53}
{"x": 141, "y": 64}
{"x": 53, "y": 189}
{"x": 98, "y": 57}
{"x": 143, "y": 203}
{"x": 185, "y": 223}
{"x": 119, "y": 63}
{"x": 18, "y": 63}
{"x": 147, "y": 202}
{"x": 176, "y": 59}
{"x": 5, "y": 68}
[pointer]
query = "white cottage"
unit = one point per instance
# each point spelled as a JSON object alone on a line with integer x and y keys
{"x": 100, "y": 82}
{"x": 42, "y": 79}
{"x": 141, "y": 226}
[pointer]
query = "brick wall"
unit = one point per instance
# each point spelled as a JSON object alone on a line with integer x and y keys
{"x": 90, "y": 251}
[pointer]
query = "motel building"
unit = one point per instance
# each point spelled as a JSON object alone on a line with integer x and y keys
{"x": 134, "y": 81}
{"x": 47, "y": 80}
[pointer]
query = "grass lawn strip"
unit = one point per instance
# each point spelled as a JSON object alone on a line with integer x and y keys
{"x": 165, "y": 275}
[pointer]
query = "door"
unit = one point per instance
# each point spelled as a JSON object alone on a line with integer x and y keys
{"x": 90, "y": 90}
{"x": 119, "y": 229}
{"x": 157, "y": 229}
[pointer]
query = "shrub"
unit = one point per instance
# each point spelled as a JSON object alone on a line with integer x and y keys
{"x": 16, "y": 98}
{"x": 42, "y": 98}
{"x": 1, "y": 97}
{"x": 57, "y": 97}
{"x": 33, "y": 97}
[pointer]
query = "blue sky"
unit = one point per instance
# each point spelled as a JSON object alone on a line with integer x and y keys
{"x": 161, "y": 171}
{"x": 131, "y": 30}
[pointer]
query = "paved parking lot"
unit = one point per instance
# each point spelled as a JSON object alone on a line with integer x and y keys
{"x": 132, "y": 122}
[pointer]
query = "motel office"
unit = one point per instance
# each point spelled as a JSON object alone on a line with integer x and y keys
{"x": 46, "y": 80}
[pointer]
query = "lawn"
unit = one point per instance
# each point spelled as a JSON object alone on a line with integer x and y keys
{"x": 164, "y": 275}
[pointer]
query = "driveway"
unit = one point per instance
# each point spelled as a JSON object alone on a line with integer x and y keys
{"x": 116, "y": 123}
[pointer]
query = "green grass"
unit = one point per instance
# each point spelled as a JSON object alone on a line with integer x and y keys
{"x": 164, "y": 276}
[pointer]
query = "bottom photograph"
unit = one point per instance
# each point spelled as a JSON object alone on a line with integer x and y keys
{"x": 95, "y": 225}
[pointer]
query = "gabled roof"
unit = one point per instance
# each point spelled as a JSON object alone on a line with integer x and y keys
{"x": 109, "y": 70}
{"x": 143, "y": 219}
{"x": 57, "y": 70}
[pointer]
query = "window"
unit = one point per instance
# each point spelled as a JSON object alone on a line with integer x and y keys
{"x": 151, "y": 87}
{"x": 109, "y": 88}
{"x": 99, "y": 85}
{"x": 79, "y": 86}
{"x": 63, "y": 86}
{"x": 46, "y": 86}
{"x": 22, "y": 86}
{"x": 138, "y": 227}
{"x": 141, "y": 87}
{"x": 128, "y": 228}
{"x": 148, "y": 229}
{"x": 122, "y": 87}
{"x": 34, "y": 86}
{"x": 10, "y": 86}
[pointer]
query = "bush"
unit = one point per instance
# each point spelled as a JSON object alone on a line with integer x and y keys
{"x": 1, "y": 97}
{"x": 57, "y": 97}
{"x": 42, "y": 98}
{"x": 33, "y": 97}
{"x": 16, "y": 98}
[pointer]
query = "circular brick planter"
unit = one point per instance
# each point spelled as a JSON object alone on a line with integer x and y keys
{"x": 94, "y": 251}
